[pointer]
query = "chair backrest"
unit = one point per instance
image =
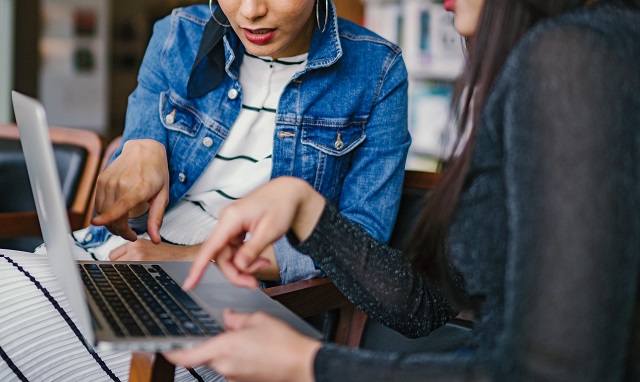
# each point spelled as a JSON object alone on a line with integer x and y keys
{"x": 416, "y": 187}
{"x": 77, "y": 155}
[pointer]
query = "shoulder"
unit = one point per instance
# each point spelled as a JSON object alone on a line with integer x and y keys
{"x": 174, "y": 44}
{"x": 183, "y": 28}
{"x": 594, "y": 44}
{"x": 195, "y": 14}
{"x": 192, "y": 17}
{"x": 367, "y": 51}
{"x": 350, "y": 32}
{"x": 586, "y": 35}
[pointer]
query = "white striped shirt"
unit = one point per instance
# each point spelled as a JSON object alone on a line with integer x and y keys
{"x": 244, "y": 160}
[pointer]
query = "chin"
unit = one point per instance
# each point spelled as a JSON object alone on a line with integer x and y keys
{"x": 465, "y": 29}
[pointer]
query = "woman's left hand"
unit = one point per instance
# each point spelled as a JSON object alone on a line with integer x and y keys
{"x": 255, "y": 347}
{"x": 146, "y": 250}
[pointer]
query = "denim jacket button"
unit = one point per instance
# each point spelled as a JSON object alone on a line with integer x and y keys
{"x": 182, "y": 177}
{"x": 339, "y": 145}
{"x": 170, "y": 119}
{"x": 207, "y": 142}
{"x": 233, "y": 94}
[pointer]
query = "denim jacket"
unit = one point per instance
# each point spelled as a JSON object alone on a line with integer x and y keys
{"x": 341, "y": 123}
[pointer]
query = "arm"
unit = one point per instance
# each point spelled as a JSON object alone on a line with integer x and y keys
{"x": 137, "y": 178}
{"x": 371, "y": 190}
{"x": 379, "y": 280}
{"x": 370, "y": 194}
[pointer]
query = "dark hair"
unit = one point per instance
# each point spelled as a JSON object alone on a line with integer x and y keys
{"x": 502, "y": 23}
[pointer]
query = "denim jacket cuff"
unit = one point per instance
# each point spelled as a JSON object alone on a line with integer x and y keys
{"x": 139, "y": 223}
{"x": 294, "y": 266}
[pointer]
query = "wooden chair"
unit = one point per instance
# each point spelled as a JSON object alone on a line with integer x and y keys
{"x": 77, "y": 155}
{"x": 311, "y": 297}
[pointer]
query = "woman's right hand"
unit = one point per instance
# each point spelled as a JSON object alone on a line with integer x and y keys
{"x": 135, "y": 181}
{"x": 265, "y": 214}
{"x": 254, "y": 347}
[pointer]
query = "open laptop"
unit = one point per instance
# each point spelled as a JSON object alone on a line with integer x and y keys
{"x": 135, "y": 306}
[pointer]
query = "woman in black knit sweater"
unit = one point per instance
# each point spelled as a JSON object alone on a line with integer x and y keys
{"x": 535, "y": 224}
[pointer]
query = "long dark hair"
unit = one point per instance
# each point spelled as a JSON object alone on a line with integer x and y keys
{"x": 502, "y": 23}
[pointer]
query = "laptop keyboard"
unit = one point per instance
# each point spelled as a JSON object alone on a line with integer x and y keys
{"x": 143, "y": 301}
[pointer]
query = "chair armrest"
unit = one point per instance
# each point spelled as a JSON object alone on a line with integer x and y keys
{"x": 308, "y": 297}
{"x": 150, "y": 367}
{"x": 25, "y": 223}
{"x": 19, "y": 224}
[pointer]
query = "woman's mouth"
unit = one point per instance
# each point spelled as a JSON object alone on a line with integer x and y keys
{"x": 259, "y": 36}
{"x": 450, "y": 5}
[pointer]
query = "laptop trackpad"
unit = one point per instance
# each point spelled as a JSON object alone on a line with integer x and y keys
{"x": 216, "y": 293}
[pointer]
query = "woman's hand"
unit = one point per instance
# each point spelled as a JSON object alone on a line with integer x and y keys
{"x": 255, "y": 347}
{"x": 135, "y": 181}
{"x": 145, "y": 250}
{"x": 266, "y": 214}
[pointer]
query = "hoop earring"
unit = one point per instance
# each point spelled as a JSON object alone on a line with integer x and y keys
{"x": 214, "y": 17}
{"x": 326, "y": 15}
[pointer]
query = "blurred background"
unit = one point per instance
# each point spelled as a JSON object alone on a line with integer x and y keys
{"x": 81, "y": 58}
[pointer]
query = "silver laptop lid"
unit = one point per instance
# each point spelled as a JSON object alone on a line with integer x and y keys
{"x": 52, "y": 214}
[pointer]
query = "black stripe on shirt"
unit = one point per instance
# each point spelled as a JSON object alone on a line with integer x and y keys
{"x": 75, "y": 240}
{"x": 162, "y": 239}
{"x": 226, "y": 195}
{"x": 276, "y": 60}
{"x": 199, "y": 205}
{"x": 64, "y": 315}
{"x": 242, "y": 157}
{"x": 12, "y": 366}
{"x": 195, "y": 375}
{"x": 259, "y": 109}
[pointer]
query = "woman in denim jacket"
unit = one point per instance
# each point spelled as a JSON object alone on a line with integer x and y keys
{"x": 340, "y": 124}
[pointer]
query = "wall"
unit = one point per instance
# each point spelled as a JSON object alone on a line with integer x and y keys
{"x": 6, "y": 59}
{"x": 74, "y": 63}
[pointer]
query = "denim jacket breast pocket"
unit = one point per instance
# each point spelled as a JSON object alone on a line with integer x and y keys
{"x": 328, "y": 145}
{"x": 179, "y": 115}
{"x": 184, "y": 123}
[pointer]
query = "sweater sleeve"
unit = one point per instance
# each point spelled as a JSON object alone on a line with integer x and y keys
{"x": 376, "y": 278}
{"x": 381, "y": 282}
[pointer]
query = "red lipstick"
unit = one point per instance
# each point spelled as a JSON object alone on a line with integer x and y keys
{"x": 450, "y": 5}
{"x": 259, "y": 36}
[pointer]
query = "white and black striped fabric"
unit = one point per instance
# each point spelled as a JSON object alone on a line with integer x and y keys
{"x": 39, "y": 336}
{"x": 244, "y": 160}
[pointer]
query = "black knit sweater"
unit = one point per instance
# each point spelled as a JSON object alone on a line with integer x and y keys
{"x": 547, "y": 232}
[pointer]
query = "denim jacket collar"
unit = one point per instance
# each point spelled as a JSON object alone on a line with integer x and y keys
{"x": 324, "y": 51}
{"x": 325, "y": 47}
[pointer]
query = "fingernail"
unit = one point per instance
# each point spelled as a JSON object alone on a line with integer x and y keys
{"x": 243, "y": 262}
{"x": 187, "y": 282}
